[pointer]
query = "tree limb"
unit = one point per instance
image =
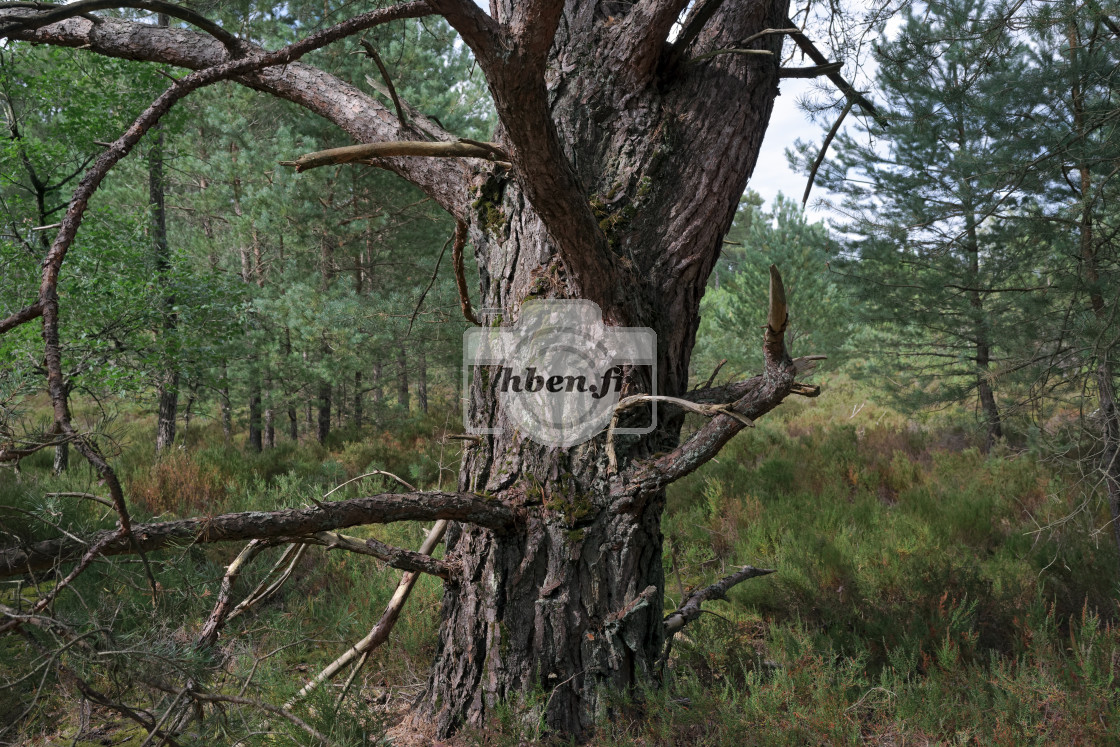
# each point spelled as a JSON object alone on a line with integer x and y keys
{"x": 24, "y": 315}
{"x": 396, "y": 148}
{"x": 760, "y": 395}
{"x": 286, "y": 523}
{"x": 689, "y": 608}
{"x": 72, "y": 10}
{"x": 384, "y": 626}
{"x": 814, "y": 54}
{"x": 356, "y": 112}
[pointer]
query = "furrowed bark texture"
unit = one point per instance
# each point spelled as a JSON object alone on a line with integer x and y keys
{"x": 662, "y": 163}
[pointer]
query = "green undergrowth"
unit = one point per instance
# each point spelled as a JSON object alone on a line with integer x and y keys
{"x": 923, "y": 593}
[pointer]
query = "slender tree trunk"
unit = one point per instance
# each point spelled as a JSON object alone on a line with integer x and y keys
{"x": 358, "y": 396}
{"x": 293, "y": 424}
{"x": 324, "y": 429}
{"x": 255, "y": 441}
{"x": 61, "y": 459}
{"x": 376, "y": 390}
{"x": 225, "y": 405}
{"x": 1105, "y": 373}
{"x": 992, "y": 422}
{"x": 402, "y": 379}
{"x": 422, "y": 382}
{"x": 269, "y": 417}
{"x": 167, "y": 389}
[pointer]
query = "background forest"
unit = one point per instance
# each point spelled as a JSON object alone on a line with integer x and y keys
{"x": 943, "y": 519}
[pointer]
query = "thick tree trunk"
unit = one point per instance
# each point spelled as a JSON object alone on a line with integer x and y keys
{"x": 539, "y": 619}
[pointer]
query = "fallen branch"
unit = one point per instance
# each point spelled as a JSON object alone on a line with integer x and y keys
{"x": 381, "y": 630}
{"x": 287, "y": 523}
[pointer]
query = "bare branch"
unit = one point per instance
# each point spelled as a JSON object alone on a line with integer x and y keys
{"x": 373, "y": 55}
{"x": 395, "y": 557}
{"x": 286, "y": 523}
{"x": 213, "y": 625}
{"x": 824, "y": 150}
{"x": 384, "y": 626}
{"x": 366, "y": 151}
{"x": 814, "y": 71}
{"x": 845, "y": 87}
{"x": 759, "y": 396}
{"x": 460, "y": 275}
{"x": 689, "y": 608}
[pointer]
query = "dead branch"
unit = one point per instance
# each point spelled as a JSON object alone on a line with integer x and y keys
{"x": 267, "y": 587}
{"x": 810, "y": 50}
{"x": 284, "y": 524}
{"x": 689, "y": 608}
{"x": 384, "y": 626}
{"x": 824, "y": 150}
{"x": 394, "y": 557}
{"x": 813, "y": 71}
{"x": 740, "y": 47}
{"x": 209, "y": 635}
{"x": 759, "y": 396}
{"x": 373, "y": 55}
{"x": 639, "y": 399}
{"x": 367, "y": 151}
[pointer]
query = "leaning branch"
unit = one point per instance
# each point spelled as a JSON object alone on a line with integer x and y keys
{"x": 367, "y": 151}
{"x": 287, "y": 524}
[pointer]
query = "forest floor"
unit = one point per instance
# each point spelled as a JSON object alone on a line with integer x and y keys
{"x": 925, "y": 593}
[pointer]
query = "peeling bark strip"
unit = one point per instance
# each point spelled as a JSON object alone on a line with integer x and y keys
{"x": 291, "y": 524}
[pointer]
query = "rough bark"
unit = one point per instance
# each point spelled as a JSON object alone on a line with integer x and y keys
{"x": 659, "y": 165}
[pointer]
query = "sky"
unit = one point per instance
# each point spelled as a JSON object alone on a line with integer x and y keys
{"x": 773, "y": 174}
